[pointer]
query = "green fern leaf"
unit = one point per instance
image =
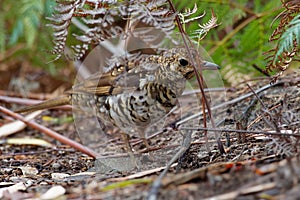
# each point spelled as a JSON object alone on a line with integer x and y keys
{"x": 29, "y": 14}
{"x": 16, "y": 32}
{"x": 292, "y": 33}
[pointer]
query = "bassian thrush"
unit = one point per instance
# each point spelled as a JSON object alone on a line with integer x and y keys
{"x": 133, "y": 94}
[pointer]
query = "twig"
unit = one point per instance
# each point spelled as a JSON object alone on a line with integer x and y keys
{"x": 245, "y": 191}
{"x": 40, "y": 96}
{"x": 243, "y": 131}
{"x": 265, "y": 110}
{"x": 261, "y": 116}
{"x": 238, "y": 99}
{"x": 157, "y": 183}
{"x": 139, "y": 174}
{"x": 51, "y": 133}
{"x": 260, "y": 70}
{"x": 189, "y": 92}
{"x": 23, "y": 101}
{"x": 186, "y": 143}
{"x": 199, "y": 78}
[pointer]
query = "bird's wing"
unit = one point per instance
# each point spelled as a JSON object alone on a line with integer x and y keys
{"x": 122, "y": 78}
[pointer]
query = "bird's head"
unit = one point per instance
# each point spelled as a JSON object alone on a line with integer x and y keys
{"x": 178, "y": 59}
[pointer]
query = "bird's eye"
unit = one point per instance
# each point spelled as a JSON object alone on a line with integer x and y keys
{"x": 183, "y": 62}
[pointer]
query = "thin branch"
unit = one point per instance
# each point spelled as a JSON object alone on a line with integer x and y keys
{"x": 51, "y": 133}
{"x": 238, "y": 99}
{"x": 271, "y": 133}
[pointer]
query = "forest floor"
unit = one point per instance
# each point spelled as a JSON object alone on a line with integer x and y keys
{"x": 257, "y": 124}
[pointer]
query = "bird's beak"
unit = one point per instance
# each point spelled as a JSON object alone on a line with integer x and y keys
{"x": 210, "y": 66}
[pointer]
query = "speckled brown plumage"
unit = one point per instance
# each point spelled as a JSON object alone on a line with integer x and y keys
{"x": 133, "y": 94}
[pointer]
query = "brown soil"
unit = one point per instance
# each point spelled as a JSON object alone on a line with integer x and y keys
{"x": 260, "y": 138}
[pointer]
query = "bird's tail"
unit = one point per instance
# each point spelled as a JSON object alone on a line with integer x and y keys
{"x": 59, "y": 101}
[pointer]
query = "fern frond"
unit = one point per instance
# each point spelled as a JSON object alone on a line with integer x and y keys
{"x": 206, "y": 27}
{"x": 105, "y": 20}
{"x": 154, "y": 14}
{"x": 188, "y": 12}
{"x": 290, "y": 38}
{"x": 185, "y": 17}
{"x": 29, "y": 14}
{"x": 288, "y": 35}
{"x": 60, "y": 23}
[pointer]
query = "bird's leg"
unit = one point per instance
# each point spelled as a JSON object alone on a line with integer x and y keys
{"x": 146, "y": 143}
{"x": 129, "y": 149}
{"x": 142, "y": 135}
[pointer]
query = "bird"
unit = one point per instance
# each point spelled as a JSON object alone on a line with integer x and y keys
{"x": 134, "y": 93}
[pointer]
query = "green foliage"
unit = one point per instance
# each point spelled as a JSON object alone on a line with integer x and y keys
{"x": 3, "y": 32}
{"x": 28, "y": 17}
{"x": 286, "y": 39}
{"x": 242, "y": 36}
{"x": 291, "y": 35}
{"x": 126, "y": 183}
{"x": 236, "y": 44}
{"x": 25, "y": 34}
